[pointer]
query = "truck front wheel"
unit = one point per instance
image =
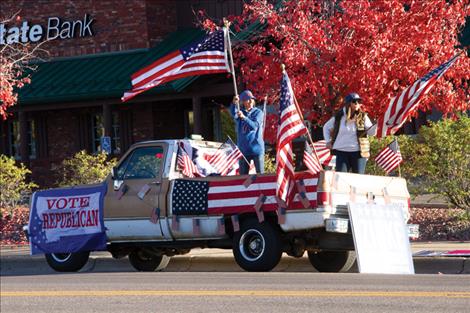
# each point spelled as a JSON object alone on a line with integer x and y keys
{"x": 146, "y": 262}
{"x": 332, "y": 261}
{"x": 67, "y": 262}
{"x": 257, "y": 247}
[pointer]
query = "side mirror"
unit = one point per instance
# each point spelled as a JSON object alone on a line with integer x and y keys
{"x": 114, "y": 173}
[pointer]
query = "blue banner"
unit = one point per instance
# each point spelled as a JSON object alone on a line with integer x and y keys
{"x": 67, "y": 220}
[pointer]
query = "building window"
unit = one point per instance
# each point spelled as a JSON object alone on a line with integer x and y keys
{"x": 97, "y": 131}
{"x": 116, "y": 140}
{"x": 97, "y": 124}
{"x": 14, "y": 139}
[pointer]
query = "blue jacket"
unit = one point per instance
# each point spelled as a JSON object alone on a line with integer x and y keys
{"x": 249, "y": 131}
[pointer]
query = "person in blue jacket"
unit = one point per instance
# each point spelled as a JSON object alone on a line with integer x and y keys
{"x": 249, "y": 127}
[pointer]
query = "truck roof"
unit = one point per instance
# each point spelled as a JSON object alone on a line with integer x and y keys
{"x": 202, "y": 143}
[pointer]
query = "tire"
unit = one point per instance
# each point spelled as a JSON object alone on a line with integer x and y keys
{"x": 332, "y": 261}
{"x": 257, "y": 247}
{"x": 67, "y": 262}
{"x": 145, "y": 262}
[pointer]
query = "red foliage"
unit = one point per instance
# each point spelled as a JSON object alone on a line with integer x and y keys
{"x": 11, "y": 226}
{"x": 376, "y": 48}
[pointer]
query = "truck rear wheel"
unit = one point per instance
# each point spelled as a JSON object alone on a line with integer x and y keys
{"x": 332, "y": 261}
{"x": 257, "y": 247}
{"x": 146, "y": 262}
{"x": 67, "y": 262}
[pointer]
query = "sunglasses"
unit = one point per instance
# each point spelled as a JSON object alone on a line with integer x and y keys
{"x": 356, "y": 101}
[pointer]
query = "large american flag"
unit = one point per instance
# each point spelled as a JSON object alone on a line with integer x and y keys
{"x": 403, "y": 105}
{"x": 226, "y": 195}
{"x": 186, "y": 164}
{"x": 225, "y": 157}
{"x": 389, "y": 157}
{"x": 206, "y": 56}
{"x": 290, "y": 127}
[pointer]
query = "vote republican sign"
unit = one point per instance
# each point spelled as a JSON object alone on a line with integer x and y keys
{"x": 67, "y": 220}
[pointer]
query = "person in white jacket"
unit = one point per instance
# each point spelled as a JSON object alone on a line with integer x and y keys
{"x": 346, "y": 134}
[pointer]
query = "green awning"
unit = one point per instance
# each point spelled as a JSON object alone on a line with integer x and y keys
{"x": 100, "y": 76}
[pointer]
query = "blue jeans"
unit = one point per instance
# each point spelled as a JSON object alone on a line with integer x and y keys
{"x": 350, "y": 162}
{"x": 257, "y": 159}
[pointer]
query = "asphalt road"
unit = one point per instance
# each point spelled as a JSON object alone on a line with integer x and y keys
{"x": 234, "y": 292}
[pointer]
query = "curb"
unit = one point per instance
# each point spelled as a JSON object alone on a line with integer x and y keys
{"x": 36, "y": 265}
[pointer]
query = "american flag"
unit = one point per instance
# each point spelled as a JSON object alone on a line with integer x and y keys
{"x": 224, "y": 195}
{"x": 206, "y": 56}
{"x": 186, "y": 164}
{"x": 311, "y": 159}
{"x": 323, "y": 153}
{"x": 225, "y": 157}
{"x": 403, "y": 105}
{"x": 290, "y": 127}
{"x": 389, "y": 157}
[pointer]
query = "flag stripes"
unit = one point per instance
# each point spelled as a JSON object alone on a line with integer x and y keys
{"x": 389, "y": 157}
{"x": 290, "y": 127}
{"x": 206, "y": 56}
{"x": 231, "y": 197}
{"x": 403, "y": 105}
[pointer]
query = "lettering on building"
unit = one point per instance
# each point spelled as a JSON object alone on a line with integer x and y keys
{"x": 54, "y": 28}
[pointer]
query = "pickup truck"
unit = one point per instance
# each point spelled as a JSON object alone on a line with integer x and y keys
{"x": 177, "y": 213}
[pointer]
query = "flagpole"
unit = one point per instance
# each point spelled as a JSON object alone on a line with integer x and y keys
{"x": 232, "y": 68}
{"x": 264, "y": 113}
{"x": 399, "y": 170}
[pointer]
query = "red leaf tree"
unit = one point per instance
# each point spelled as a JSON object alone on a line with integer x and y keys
{"x": 376, "y": 48}
{"x": 14, "y": 60}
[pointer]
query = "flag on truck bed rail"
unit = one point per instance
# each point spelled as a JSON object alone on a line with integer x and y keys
{"x": 222, "y": 195}
{"x": 225, "y": 158}
{"x": 291, "y": 126}
{"x": 205, "y": 56}
{"x": 389, "y": 157}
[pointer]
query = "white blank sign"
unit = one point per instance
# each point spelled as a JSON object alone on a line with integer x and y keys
{"x": 381, "y": 238}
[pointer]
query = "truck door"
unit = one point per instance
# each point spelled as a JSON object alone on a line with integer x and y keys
{"x": 135, "y": 194}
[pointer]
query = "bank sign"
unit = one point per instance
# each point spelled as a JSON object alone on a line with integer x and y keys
{"x": 54, "y": 28}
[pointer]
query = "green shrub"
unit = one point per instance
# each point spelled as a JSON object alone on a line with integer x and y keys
{"x": 13, "y": 182}
{"x": 437, "y": 160}
{"x": 83, "y": 168}
{"x": 269, "y": 164}
{"x": 442, "y": 155}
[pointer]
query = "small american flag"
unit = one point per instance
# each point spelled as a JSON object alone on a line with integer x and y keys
{"x": 403, "y": 105}
{"x": 186, "y": 164}
{"x": 290, "y": 127}
{"x": 225, "y": 157}
{"x": 389, "y": 157}
{"x": 206, "y": 56}
{"x": 229, "y": 196}
{"x": 323, "y": 153}
{"x": 311, "y": 159}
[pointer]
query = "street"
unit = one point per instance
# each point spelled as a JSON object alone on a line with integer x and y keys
{"x": 233, "y": 292}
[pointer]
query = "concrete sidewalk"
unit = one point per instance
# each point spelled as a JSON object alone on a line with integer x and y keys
{"x": 17, "y": 261}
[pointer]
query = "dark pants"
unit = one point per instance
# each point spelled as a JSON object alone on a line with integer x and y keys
{"x": 350, "y": 162}
{"x": 257, "y": 159}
